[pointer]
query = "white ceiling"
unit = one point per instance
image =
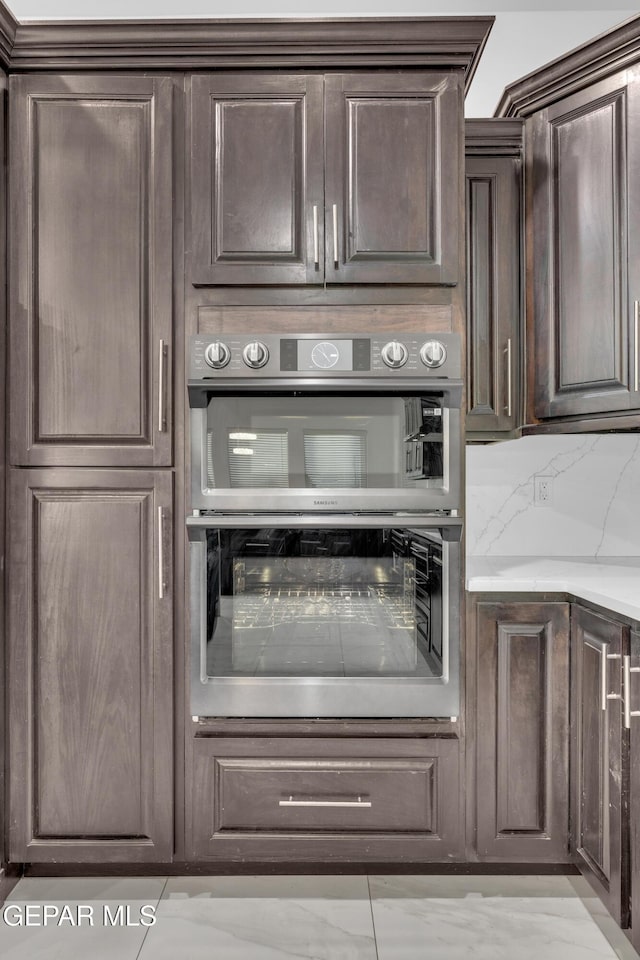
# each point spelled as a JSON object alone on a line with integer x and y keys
{"x": 521, "y": 39}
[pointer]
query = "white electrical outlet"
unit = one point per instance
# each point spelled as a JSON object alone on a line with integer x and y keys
{"x": 542, "y": 491}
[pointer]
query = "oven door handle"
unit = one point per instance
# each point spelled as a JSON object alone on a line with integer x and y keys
{"x": 449, "y": 527}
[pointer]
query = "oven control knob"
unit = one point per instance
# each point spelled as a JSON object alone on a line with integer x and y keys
{"x": 217, "y": 355}
{"x": 394, "y": 354}
{"x": 433, "y": 353}
{"x": 255, "y": 354}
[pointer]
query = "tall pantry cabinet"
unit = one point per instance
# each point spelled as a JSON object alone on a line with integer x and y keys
{"x": 91, "y": 479}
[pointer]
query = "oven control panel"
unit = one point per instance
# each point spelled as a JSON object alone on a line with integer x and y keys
{"x": 313, "y": 355}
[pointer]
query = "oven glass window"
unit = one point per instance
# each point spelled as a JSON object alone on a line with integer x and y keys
{"x": 326, "y": 442}
{"x": 324, "y": 603}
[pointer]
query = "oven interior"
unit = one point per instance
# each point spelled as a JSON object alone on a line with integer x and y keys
{"x": 291, "y": 602}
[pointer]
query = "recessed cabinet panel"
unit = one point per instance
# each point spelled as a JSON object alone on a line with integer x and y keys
{"x": 590, "y": 242}
{"x": 257, "y": 195}
{"x": 90, "y": 681}
{"x": 387, "y": 141}
{"x": 91, "y": 265}
{"x": 90, "y": 219}
{"x": 481, "y": 265}
{"x": 585, "y": 273}
{"x": 522, "y": 731}
{"x": 392, "y": 190}
{"x": 253, "y": 214}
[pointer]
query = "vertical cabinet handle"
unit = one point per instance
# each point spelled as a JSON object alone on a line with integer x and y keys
{"x": 336, "y": 258}
{"x": 627, "y": 670}
{"x": 509, "y": 403}
{"x": 636, "y": 345}
{"x": 162, "y": 398}
{"x": 161, "y": 581}
{"x": 316, "y": 253}
{"x": 603, "y": 679}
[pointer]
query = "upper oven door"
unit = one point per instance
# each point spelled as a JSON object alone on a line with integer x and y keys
{"x": 353, "y": 448}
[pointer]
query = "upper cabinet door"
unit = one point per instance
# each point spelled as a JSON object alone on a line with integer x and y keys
{"x": 257, "y": 181}
{"x": 393, "y": 177}
{"x": 90, "y": 270}
{"x": 493, "y": 294}
{"x": 586, "y": 265}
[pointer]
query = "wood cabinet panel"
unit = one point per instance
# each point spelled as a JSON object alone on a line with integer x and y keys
{"x": 522, "y": 741}
{"x": 600, "y": 757}
{"x": 407, "y": 793}
{"x": 3, "y": 537}
{"x": 91, "y": 268}
{"x": 90, "y": 666}
{"x": 634, "y": 787}
{"x": 257, "y": 174}
{"x": 493, "y": 293}
{"x": 584, "y": 162}
{"x": 392, "y": 156}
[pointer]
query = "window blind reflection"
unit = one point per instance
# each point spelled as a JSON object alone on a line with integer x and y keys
{"x": 262, "y": 461}
{"x": 335, "y": 459}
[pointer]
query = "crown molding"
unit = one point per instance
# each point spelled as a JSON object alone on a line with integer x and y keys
{"x": 434, "y": 42}
{"x": 493, "y": 137}
{"x": 610, "y": 52}
{"x": 8, "y": 28}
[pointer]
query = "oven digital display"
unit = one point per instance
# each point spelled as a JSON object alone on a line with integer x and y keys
{"x": 325, "y": 356}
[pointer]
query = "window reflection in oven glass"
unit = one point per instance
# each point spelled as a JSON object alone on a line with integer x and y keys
{"x": 325, "y": 442}
{"x": 333, "y": 603}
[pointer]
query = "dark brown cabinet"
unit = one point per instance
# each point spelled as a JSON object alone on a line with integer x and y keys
{"x": 90, "y": 665}
{"x": 90, "y": 270}
{"x": 257, "y": 212}
{"x": 585, "y": 206}
{"x": 600, "y": 764}
{"x": 493, "y": 167}
{"x": 325, "y": 799}
{"x": 519, "y": 656}
{"x": 311, "y": 179}
{"x": 633, "y": 694}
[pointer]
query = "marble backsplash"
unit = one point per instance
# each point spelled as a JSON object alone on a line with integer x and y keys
{"x": 595, "y": 504}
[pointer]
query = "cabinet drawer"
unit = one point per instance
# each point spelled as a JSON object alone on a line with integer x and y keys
{"x": 252, "y": 796}
{"x": 326, "y": 794}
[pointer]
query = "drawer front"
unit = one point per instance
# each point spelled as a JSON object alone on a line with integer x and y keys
{"x": 325, "y": 795}
{"x": 255, "y": 799}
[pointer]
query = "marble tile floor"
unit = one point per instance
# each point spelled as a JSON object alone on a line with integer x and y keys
{"x": 319, "y": 917}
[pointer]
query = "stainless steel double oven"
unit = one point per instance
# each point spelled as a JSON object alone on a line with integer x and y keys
{"x": 324, "y": 535}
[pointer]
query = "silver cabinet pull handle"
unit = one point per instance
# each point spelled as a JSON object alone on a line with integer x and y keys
{"x": 612, "y": 696}
{"x": 162, "y": 400}
{"x": 627, "y": 670}
{"x": 161, "y": 584}
{"x": 316, "y": 254}
{"x": 603, "y": 679}
{"x": 324, "y": 803}
{"x": 336, "y": 258}
{"x": 507, "y": 351}
{"x": 636, "y": 346}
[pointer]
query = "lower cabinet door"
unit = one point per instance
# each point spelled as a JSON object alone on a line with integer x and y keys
{"x": 90, "y": 658}
{"x": 318, "y": 799}
{"x": 634, "y": 806}
{"x": 522, "y": 731}
{"x": 600, "y": 758}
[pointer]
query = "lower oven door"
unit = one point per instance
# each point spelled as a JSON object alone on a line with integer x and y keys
{"x": 333, "y": 616}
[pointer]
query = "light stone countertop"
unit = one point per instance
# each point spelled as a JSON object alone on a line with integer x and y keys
{"x": 612, "y": 582}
